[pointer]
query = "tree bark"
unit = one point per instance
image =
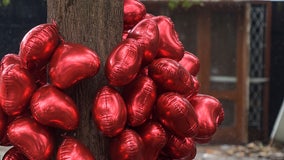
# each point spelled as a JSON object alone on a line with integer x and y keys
{"x": 96, "y": 24}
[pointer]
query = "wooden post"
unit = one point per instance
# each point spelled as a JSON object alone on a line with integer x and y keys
{"x": 96, "y": 24}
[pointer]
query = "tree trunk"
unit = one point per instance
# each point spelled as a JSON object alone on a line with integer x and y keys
{"x": 96, "y": 24}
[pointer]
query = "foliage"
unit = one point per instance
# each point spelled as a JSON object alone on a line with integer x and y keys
{"x": 173, "y": 4}
{"x": 4, "y": 3}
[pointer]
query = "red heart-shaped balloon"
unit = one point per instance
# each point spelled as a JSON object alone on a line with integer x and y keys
{"x": 109, "y": 111}
{"x": 127, "y": 146}
{"x": 51, "y": 107}
{"x": 73, "y": 149}
{"x": 178, "y": 148}
{"x": 33, "y": 139}
{"x": 140, "y": 96}
{"x": 148, "y": 15}
{"x": 154, "y": 138}
{"x": 146, "y": 33}
{"x": 38, "y": 45}
{"x": 210, "y": 114}
{"x": 123, "y": 63}
{"x": 171, "y": 76}
{"x": 195, "y": 90}
{"x": 133, "y": 12}
{"x": 169, "y": 44}
{"x": 71, "y": 63}
{"x": 8, "y": 59}
{"x": 177, "y": 114}
{"x": 14, "y": 154}
{"x": 40, "y": 76}
{"x": 125, "y": 34}
{"x": 16, "y": 89}
{"x": 190, "y": 62}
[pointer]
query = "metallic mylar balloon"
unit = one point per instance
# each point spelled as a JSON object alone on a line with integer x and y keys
{"x": 127, "y": 146}
{"x": 16, "y": 89}
{"x": 195, "y": 90}
{"x": 3, "y": 124}
{"x": 8, "y": 59}
{"x": 73, "y": 149}
{"x": 40, "y": 76}
{"x": 133, "y": 12}
{"x": 14, "y": 154}
{"x": 169, "y": 45}
{"x": 154, "y": 138}
{"x": 109, "y": 111}
{"x": 146, "y": 33}
{"x": 51, "y": 107}
{"x": 148, "y": 15}
{"x": 178, "y": 148}
{"x": 125, "y": 34}
{"x": 140, "y": 96}
{"x": 33, "y": 139}
{"x": 171, "y": 76}
{"x": 144, "y": 71}
{"x": 123, "y": 63}
{"x": 190, "y": 62}
{"x": 210, "y": 115}
{"x": 71, "y": 63}
{"x": 177, "y": 114}
{"x": 38, "y": 45}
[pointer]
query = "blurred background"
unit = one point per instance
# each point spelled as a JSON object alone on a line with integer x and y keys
{"x": 240, "y": 45}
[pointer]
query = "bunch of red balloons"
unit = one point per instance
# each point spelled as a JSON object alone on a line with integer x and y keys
{"x": 151, "y": 108}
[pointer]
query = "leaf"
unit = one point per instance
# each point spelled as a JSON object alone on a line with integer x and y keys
{"x": 5, "y": 2}
{"x": 173, "y": 4}
{"x": 187, "y": 4}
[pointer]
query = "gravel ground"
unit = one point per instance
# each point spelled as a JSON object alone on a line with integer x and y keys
{"x": 250, "y": 151}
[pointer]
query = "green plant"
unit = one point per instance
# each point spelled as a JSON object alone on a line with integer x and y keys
{"x": 173, "y": 4}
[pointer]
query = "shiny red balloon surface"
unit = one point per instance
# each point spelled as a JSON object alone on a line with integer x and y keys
{"x": 73, "y": 149}
{"x": 154, "y": 138}
{"x": 190, "y": 62}
{"x": 146, "y": 33}
{"x": 51, "y": 107}
{"x": 177, "y": 114}
{"x": 40, "y": 76}
{"x": 178, "y": 148}
{"x": 123, "y": 63}
{"x": 16, "y": 89}
{"x": 169, "y": 45}
{"x": 210, "y": 115}
{"x": 171, "y": 76}
{"x": 133, "y": 12}
{"x": 14, "y": 154}
{"x": 140, "y": 96}
{"x": 33, "y": 139}
{"x": 9, "y": 59}
{"x": 38, "y": 45}
{"x": 195, "y": 90}
{"x": 126, "y": 146}
{"x": 109, "y": 111}
{"x": 71, "y": 63}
